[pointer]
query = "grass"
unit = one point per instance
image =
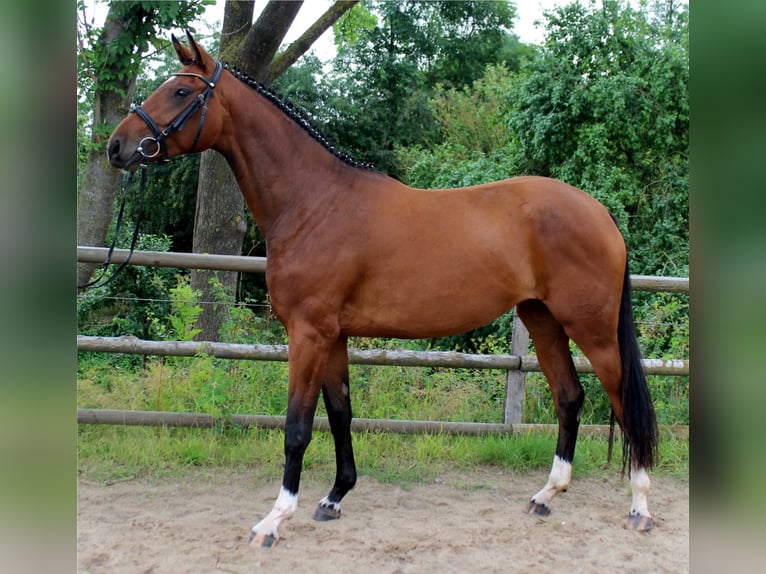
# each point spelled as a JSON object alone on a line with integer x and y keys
{"x": 108, "y": 453}
{"x": 222, "y": 387}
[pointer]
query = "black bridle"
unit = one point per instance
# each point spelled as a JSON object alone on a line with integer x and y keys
{"x": 159, "y": 136}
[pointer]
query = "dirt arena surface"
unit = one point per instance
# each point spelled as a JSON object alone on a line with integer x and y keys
{"x": 465, "y": 522}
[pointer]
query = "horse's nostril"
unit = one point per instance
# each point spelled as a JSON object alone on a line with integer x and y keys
{"x": 114, "y": 149}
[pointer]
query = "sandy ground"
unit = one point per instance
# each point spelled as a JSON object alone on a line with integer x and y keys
{"x": 465, "y": 522}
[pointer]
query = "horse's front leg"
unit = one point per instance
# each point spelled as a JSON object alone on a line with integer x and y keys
{"x": 307, "y": 356}
{"x": 338, "y": 403}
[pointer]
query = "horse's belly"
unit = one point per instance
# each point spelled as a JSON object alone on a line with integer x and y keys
{"x": 425, "y": 313}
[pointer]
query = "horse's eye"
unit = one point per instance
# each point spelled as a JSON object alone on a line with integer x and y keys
{"x": 182, "y": 92}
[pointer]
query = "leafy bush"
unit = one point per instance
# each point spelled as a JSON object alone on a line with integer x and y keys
{"x": 184, "y": 311}
{"x": 135, "y": 303}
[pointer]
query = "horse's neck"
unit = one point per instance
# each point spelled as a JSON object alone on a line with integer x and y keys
{"x": 279, "y": 167}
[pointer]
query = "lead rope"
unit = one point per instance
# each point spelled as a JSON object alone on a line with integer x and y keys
{"x": 101, "y": 281}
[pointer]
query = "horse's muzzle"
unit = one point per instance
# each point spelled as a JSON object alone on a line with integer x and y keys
{"x": 116, "y": 152}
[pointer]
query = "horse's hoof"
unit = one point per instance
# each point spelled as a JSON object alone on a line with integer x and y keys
{"x": 262, "y": 539}
{"x": 325, "y": 513}
{"x": 639, "y": 523}
{"x": 539, "y": 509}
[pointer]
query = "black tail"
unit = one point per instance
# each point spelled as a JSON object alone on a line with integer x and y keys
{"x": 639, "y": 424}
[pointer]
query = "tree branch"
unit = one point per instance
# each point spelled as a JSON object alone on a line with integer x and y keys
{"x": 266, "y": 35}
{"x": 307, "y": 39}
{"x": 237, "y": 20}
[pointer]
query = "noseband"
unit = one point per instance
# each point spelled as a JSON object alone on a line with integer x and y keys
{"x": 159, "y": 136}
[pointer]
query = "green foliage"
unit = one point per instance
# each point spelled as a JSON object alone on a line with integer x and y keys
{"x": 184, "y": 311}
{"x": 663, "y": 323}
{"x": 391, "y": 55}
{"x": 300, "y": 83}
{"x": 477, "y": 145}
{"x": 475, "y": 117}
{"x": 353, "y": 26}
{"x": 663, "y": 327}
{"x": 246, "y": 321}
{"x": 171, "y": 199}
{"x": 171, "y": 188}
{"x": 135, "y": 303}
{"x": 101, "y": 63}
{"x": 605, "y": 108}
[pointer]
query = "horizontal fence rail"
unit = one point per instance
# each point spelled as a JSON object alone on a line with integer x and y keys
{"x": 380, "y": 357}
{"x": 202, "y": 420}
{"x": 515, "y": 364}
{"x": 258, "y": 265}
{"x": 177, "y": 260}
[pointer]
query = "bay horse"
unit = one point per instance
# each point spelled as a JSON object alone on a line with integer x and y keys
{"x": 353, "y": 252}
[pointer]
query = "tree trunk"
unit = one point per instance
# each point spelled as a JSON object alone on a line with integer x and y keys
{"x": 219, "y": 227}
{"x": 100, "y": 180}
{"x": 94, "y": 208}
{"x": 302, "y": 44}
{"x": 219, "y": 223}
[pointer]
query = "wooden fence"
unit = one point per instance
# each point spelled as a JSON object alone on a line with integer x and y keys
{"x": 516, "y": 364}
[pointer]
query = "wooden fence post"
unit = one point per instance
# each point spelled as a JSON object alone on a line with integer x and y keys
{"x": 515, "y": 380}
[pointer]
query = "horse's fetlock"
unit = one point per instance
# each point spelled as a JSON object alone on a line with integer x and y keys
{"x": 348, "y": 478}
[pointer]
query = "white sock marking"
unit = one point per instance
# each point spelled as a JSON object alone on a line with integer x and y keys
{"x": 284, "y": 508}
{"x": 558, "y": 480}
{"x": 331, "y": 505}
{"x": 640, "y": 484}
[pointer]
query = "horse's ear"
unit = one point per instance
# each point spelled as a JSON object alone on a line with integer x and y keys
{"x": 198, "y": 52}
{"x": 185, "y": 56}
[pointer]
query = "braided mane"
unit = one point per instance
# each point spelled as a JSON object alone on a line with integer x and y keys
{"x": 298, "y": 115}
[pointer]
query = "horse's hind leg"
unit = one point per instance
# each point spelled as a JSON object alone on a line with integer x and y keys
{"x": 552, "y": 347}
{"x": 337, "y": 400}
{"x": 604, "y": 355}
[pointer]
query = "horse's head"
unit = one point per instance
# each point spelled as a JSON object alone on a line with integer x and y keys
{"x": 155, "y": 130}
